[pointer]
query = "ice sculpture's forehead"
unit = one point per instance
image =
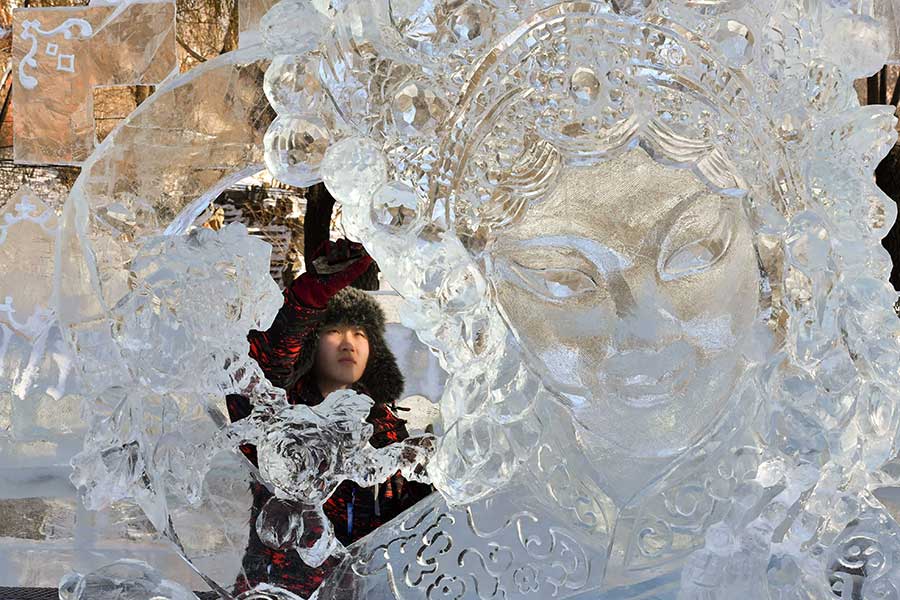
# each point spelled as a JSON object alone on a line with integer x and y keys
{"x": 623, "y": 199}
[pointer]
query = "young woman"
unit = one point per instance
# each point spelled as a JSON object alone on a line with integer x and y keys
{"x": 327, "y": 337}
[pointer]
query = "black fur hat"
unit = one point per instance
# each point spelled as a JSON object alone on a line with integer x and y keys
{"x": 382, "y": 379}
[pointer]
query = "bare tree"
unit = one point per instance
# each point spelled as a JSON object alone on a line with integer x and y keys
{"x": 205, "y": 29}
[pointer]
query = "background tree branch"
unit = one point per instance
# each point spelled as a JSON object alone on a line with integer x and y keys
{"x": 189, "y": 50}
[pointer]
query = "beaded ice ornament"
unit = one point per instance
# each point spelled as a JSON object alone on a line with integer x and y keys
{"x": 448, "y": 122}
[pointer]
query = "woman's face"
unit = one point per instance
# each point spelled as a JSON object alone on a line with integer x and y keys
{"x": 341, "y": 356}
{"x": 635, "y": 290}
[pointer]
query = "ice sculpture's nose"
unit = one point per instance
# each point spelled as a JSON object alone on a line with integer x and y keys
{"x": 644, "y": 319}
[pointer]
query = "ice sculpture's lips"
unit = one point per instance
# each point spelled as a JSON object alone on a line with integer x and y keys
{"x": 643, "y": 378}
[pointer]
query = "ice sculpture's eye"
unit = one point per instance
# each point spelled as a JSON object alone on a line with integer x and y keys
{"x": 697, "y": 241}
{"x": 556, "y": 283}
{"x": 553, "y": 273}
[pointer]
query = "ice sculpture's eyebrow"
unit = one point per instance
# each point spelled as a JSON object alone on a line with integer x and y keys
{"x": 604, "y": 258}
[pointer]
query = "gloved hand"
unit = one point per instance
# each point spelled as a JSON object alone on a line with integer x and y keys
{"x": 337, "y": 265}
{"x": 333, "y": 257}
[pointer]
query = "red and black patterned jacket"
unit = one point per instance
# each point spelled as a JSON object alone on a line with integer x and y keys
{"x": 354, "y": 511}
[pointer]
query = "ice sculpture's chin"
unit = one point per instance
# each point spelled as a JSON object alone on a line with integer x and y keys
{"x": 659, "y": 425}
{"x": 627, "y": 421}
{"x": 648, "y": 438}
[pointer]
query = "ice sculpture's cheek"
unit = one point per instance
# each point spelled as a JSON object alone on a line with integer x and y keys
{"x": 727, "y": 290}
{"x": 569, "y": 341}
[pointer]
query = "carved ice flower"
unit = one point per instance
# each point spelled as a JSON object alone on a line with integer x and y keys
{"x": 527, "y": 579}
{"x": 300, "y": 458}
{"x": 304, "y": 451}
{"x": 447, "y": 588}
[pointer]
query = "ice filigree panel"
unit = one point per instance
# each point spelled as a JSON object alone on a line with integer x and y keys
{"x": 63, "y": 53}
{"x": 27, "y": 235}
{"x": 496, "y": 548}
{"x": 643, "y": 239}
{"x": 37, "y": 377}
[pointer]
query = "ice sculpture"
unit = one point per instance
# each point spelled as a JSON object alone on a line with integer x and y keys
{"x": 130, "y": 579}
{"x": 306, "y": 452}
{"x": 643, "y": 240}
{"x": 27, "y": 229}
{"x": 888, "y": 12}
{"x": 64, "y": 53}
{"x": 155, "y": 431}
{"x": 36, "y": 366}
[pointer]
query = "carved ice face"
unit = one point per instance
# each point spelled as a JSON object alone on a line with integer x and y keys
{"x": 634, "y": 289}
